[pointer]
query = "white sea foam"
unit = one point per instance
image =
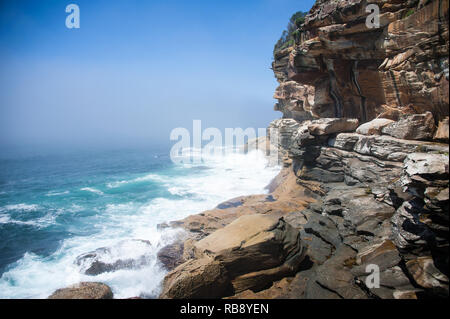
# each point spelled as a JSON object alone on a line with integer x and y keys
{"x": 116, "y": 184}
{"x": 4, "y": 219}
{"x": 229, "y": 176}
{"x": 20, "y": 207}
{"x": 92, "y": 190}
{"x": 42, "y": 222}
{"x": 57, "y": 193}
{"x": 145, "y": 178}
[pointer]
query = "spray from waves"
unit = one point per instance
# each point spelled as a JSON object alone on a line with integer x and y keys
{"x": 196, "y": 189}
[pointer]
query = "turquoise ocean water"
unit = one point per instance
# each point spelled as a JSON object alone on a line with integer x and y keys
{"x": 54, "y": 208}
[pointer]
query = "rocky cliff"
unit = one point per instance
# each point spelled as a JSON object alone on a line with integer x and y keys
{"x": 340, "y": 67}
{"x": 365, "y": 125}
{"x": 364, "y": 188}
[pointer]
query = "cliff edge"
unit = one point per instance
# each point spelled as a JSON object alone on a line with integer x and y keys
{"x": 360, "y": 209}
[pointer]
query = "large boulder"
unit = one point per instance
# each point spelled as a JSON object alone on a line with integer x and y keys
{"x": 250, "y": 253}
{"x": 84, "y": 290}
{"x": 412, "y": 127}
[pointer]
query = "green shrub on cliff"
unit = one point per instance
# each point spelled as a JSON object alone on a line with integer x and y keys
{"x": 292, "y": 34}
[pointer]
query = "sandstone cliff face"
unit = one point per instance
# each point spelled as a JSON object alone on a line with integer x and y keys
{"x": 382, "y": 184}
{"x": 364, "y": 144}
{"x": 342, "y": 68}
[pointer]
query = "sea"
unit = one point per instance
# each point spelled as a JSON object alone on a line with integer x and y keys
{"x": 54, "y": 208}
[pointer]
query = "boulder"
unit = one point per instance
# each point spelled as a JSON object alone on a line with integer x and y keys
{"x": 412, "y": 127}
{"x": 197, "y": 278}
{"x": 373, "y": 127}
{"x": 84, "y": 290}
{"x": 250, "y": 253}
{"x": 252, "y": 243}
{"x": 326, "y": 126}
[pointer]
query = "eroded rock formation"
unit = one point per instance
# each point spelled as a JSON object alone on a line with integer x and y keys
{"x": 364, "y": 144}
{"x": 342, "y": 68}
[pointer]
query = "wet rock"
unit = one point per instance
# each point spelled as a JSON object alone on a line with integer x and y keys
{"x": 171, "y": 255}
{"x": 126, "y": 254}
{"x": 84, "y": 290}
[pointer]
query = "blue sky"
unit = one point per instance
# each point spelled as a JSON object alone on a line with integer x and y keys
{"x": 135, "y": 69}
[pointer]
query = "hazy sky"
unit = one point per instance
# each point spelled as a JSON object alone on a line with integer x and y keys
{"x": 135, "y": 69}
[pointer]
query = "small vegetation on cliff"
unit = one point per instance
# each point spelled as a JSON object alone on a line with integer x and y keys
{"x": 409, "y": 13}
{"x": 292, "y": 33}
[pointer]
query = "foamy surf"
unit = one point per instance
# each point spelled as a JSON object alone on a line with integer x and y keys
{"x": 163, "y": 195}
{"x": 20, "y": 207}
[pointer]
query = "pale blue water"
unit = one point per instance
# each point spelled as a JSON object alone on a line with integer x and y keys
{"x": 54, "y": 208}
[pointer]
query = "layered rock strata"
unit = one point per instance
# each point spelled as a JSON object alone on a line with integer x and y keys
{"x": 364, "y": 144}
{"x": 343, "y": 67}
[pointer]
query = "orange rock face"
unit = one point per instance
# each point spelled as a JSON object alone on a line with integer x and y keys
{"x": 342, "y": 68}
